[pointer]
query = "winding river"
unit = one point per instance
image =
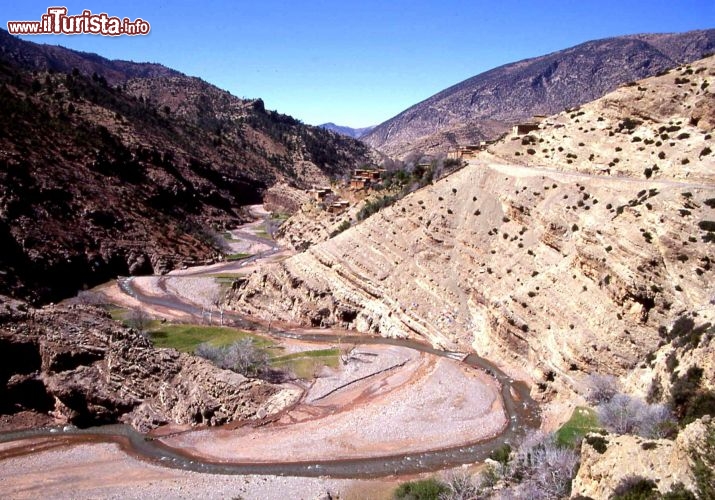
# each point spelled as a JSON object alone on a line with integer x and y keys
{"x": 521, "y": 410}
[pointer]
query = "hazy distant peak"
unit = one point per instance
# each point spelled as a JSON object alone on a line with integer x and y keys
{"x": 349, "y": 131}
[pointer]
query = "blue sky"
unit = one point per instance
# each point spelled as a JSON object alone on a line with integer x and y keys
{"x": 357, "y": 63}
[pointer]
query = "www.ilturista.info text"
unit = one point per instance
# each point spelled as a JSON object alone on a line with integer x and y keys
{"x": 57, "y": 22}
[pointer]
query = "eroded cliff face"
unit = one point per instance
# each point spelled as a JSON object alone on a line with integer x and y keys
{"x": 78, "y": 366}
{"x": 558, "y": 267}
{"x": 560, "y": 272}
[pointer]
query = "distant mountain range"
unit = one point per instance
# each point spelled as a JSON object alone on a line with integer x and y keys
{"x": 486, "y": 105}
{"x": 114, "y": 167}
{"x": 355, "y": 133}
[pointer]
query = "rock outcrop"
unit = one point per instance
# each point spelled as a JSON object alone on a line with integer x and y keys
{"x": 78, "y": 366}
{"x": 607, "y": 461}
{"x": 283, "y": 198}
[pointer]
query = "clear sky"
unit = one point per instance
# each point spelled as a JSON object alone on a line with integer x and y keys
{"x": 357, "y": 63}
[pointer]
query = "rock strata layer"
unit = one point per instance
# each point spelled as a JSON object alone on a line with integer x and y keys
{"x": 78, "y": 366}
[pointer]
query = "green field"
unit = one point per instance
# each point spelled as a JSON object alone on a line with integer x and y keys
{"x": 238, "y": 256}
{"x": 582, "y": 421}
{"x": 305, "y": 364}
{"x": 186, "y": 338}
{"x": 226, "y": 276}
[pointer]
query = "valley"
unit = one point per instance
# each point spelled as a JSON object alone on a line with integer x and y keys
{"x": 352, "y": 411}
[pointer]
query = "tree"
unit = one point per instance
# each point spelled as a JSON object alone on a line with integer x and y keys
{"x": 346, "y": 352}
{"x": 621, "y": 414}
{"x": 217, "y": 301}
{"x": 542, "y": 468}
{"x": 601, "y": 388}
{"x": 138, "y": 319}
{"x": 242, "y": 357}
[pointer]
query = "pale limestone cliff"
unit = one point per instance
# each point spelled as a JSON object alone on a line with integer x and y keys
{"x": 551, "y": 267}
{"x": 606, "y": 461}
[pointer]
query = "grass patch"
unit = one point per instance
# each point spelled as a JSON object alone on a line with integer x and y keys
{"x": 117, "y": 313}
{"x": 425, "y": 489}
{"x": 226, "y": 276}
{"x": 305, "y": 364}
{"x": 583, "y": 420}
{"x": 238, "y": 256}
{"x": 185, "y": 338}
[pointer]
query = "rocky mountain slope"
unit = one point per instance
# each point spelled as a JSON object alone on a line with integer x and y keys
{"x": 556, "y": 271}
{"x": 75, "y": 365}
{"x": 355, "y": 133}
{"x": 658, "y": 128}
{"x": 485, "y": 105}
{"x": 126, "y": 169}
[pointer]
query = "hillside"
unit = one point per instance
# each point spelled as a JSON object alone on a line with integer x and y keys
{"x": 553, "y": 272}
{"x": 132, "y": 168}
{"x": 658, "y": 128}
{"x": 487, "y": 104}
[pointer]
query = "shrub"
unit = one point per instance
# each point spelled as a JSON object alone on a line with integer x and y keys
{"x": 373, "y": 206}
{"x": 690, "y": 401}
{"x": 679, "y": 492}
{"x": 501, "y": 454}
{"x": 624, "y": 414}
{"x": 138, "y": 319}
{"x": 344, "y": 225}
{"x": 544, "y": 469}
{"x": 425, "y": 489}
{"x": 704, "y": 466}
{"x": 635, "y": 488}
{"x": 598, "y": 443}
{"x": 601, "y": 388}
{"x": 629, "y": 123}
{"x": 460, "y": 486}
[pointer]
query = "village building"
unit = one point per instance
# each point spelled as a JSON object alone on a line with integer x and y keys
{"x": 320, "y": 193}
{"x": 364, "y": 178}
{"x": 524, "y": 128}
{"x": 467, "y": 152}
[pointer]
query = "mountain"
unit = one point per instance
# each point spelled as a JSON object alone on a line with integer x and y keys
{"x": 486, "y": 105}
{"x": 355, "y": 133}
{"x": 112, "y": 167}
{"x": 544, "y": 260}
